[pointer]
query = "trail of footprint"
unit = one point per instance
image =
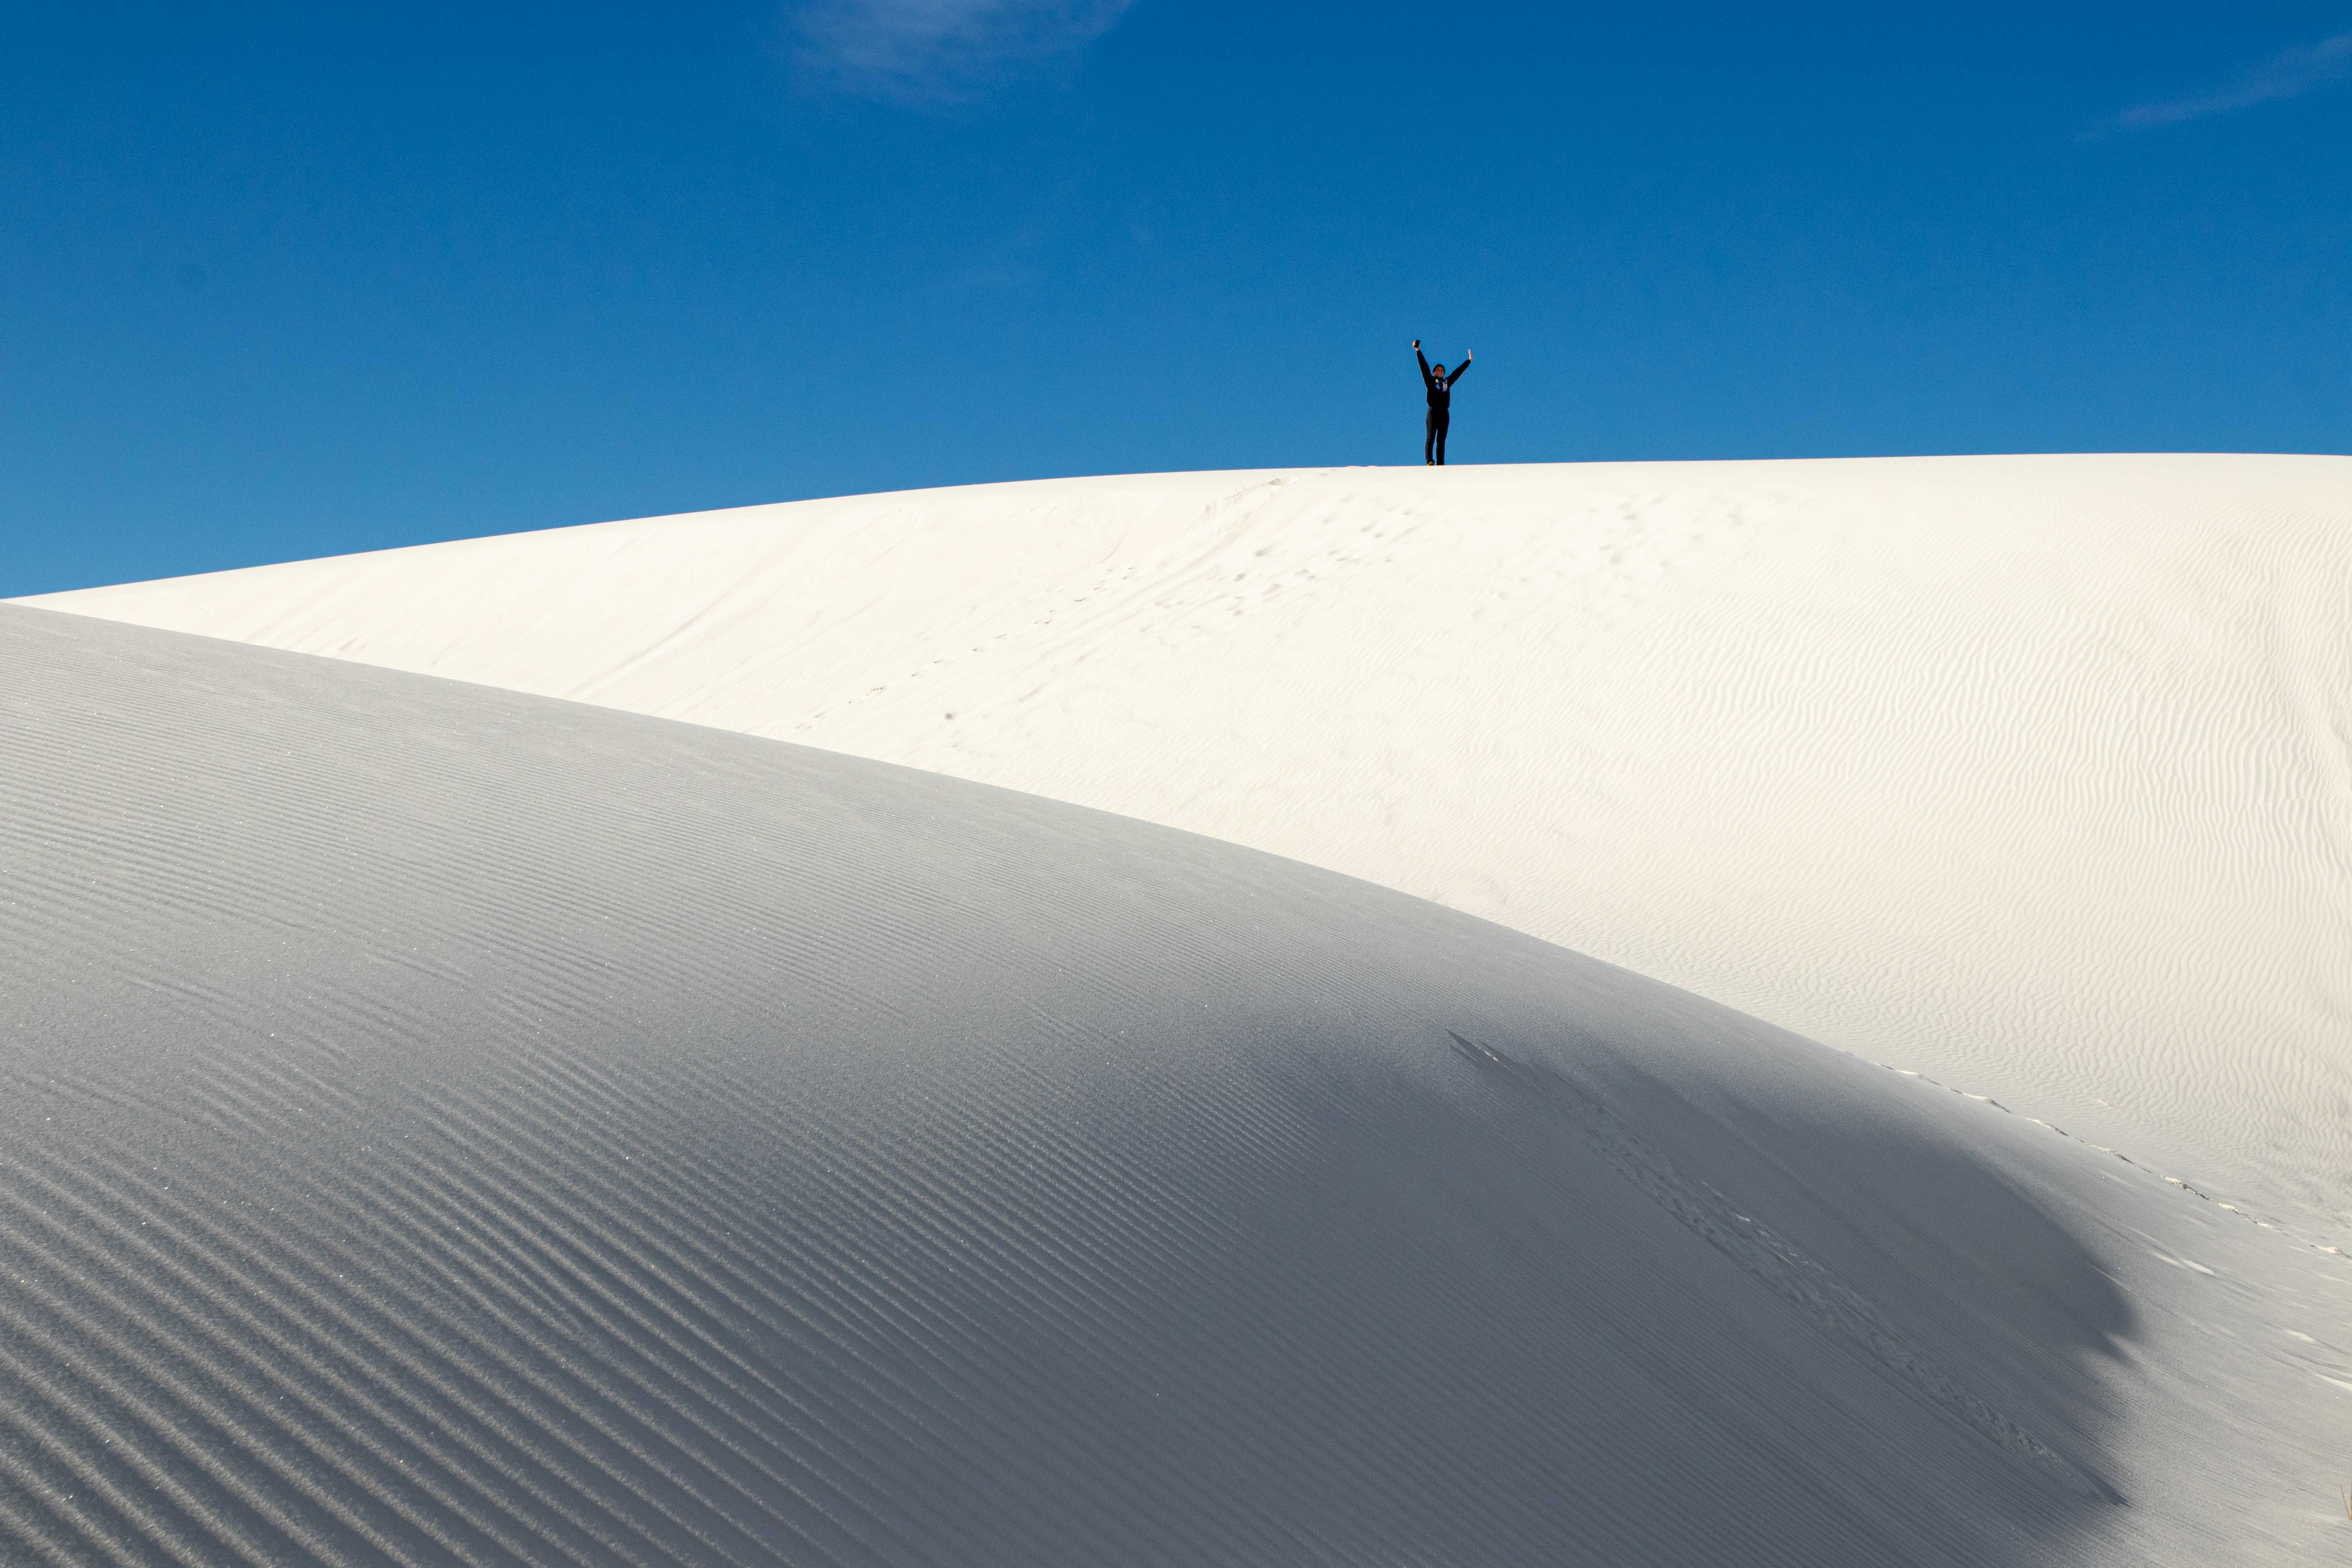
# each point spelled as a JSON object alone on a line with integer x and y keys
{"x": 1774, "y": 1261}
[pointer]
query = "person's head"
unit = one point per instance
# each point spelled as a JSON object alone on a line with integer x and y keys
{"x": 1437, "y": 370}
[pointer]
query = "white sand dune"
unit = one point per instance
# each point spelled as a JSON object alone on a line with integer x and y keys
{"x": 443, "y": 1124}
{"x": 2034, "y": 775}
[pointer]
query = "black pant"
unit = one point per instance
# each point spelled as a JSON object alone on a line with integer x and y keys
{"x": 1433, "y": 448}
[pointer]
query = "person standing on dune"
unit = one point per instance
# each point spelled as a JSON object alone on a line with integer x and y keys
{"x": 1440, "y": 387}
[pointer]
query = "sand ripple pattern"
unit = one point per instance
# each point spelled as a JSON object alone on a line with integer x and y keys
{"x": 442, "y": 1125}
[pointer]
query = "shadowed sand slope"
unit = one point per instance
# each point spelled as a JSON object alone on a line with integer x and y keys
{"x": 441, "y": 1124}
{"x": 2029, "y": 773}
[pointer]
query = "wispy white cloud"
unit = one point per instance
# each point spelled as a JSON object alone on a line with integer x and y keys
{"x": 944, "y": 50}
{"x": 2288, "y": 75}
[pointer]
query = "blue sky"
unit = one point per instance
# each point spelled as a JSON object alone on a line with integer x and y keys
{"x": 282, "y": 280}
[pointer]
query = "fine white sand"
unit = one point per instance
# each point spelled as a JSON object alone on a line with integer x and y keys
{"x": 2032, "y": 774}
{"x": 441, "y": 1124}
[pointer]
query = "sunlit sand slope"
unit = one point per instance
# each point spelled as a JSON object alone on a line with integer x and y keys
{"x": 444, "y": 1125}
{"x": 2030, "y": 774}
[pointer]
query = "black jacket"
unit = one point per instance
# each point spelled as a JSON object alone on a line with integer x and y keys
{"x": 1441, "y": 393}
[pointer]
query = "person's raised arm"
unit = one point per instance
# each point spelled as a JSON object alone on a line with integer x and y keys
{"x": 1426, "y": 379}
{"x": 1457, "y": 369}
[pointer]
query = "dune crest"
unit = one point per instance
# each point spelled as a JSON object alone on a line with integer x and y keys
{"x": 2027, "y": 773}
